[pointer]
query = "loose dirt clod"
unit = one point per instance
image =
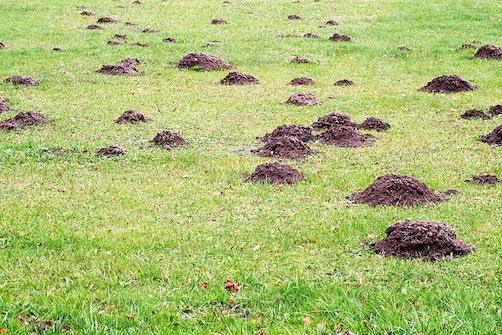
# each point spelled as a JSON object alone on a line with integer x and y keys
{"x": 169, "y": 40}
{"x": 484, "y": 179}
{"x": 333, "y": 119}
{"x": 310, "y": 35}
{"x": 448, "y": 84}
{"x": 22, "y": 81}
{"x": 111, "y": 151}
{"x": 467, "y": 46}
{"x": 116, "y": 42}
{"x": 345, "y": 136}
{"x": 294, "y": 17}
{"x": 331, "y": 23}
{"x": 86, "y": 13}
{"x": 106, "y": 19}
{"x": 168, "y": 139}
{"x": 493, "y": 138}
{"x": 340, "y": 38}
{"x": 344, "y": 82}
{"x": 57, "y": 49}
{"x": 120, "y": 36}
{"x": 495, "y": 110}
{"x": 4, "y": 105}
{"x": 301, "y": 81}
{"x": 404, "y": 48}
{"x": 302, "y": 133}
{"x": 24, "y": 119}
{"x": 218, "y": 21}
{"x": 149, "y": 31}
{"x": 131, "y": 116}
{"x": 200, "y": 61}
{"x": 397, "y": 190}
{"x": 237, "y": 78}
{"x": 475, "y": 114}
{"x": 127, "y": 66}
{"x": 275, "y": 173}
{"x": 489, "y": 52}
{"x": 94, "y": 27}
{"x": 299, "y": 60}
{"x": 430, "y": 241}
{"x": 372, "y": 123}
{"x": 302, "y": 99}
{"x": 284, "y": 147}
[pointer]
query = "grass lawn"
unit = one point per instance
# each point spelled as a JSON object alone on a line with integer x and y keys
{"x": 124, "y": 245}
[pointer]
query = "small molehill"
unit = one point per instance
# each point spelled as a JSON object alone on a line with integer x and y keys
{"x": 487, "y": 179}
{"x": 86, "y": 13}
{"x": 331, "y": 23}
{"x": 302, "y": 133}
{"x": 127, "y": 66}
{"x": 237, "y": 78}
{"x": 344, "y": 82}
{"x": 397, "y": 190}
{"x": 94, "y": 27}
{"x": 4, "y": 105}
{"x": 169, "y": 40}
{"x": 275, "y": 173}
{"x": 302, "y": 99}
{"x": 495, "y": 110}
{"x": 430, "y": 241}
{"x": 22, "y": 81}
{"x": 131, "y": 116}
{"x": 301, "y": 81}
{"x": 489, "y": 52}
{"x": 475, "y": 114}
{"x": 24, "y": 119}
{"x": 340, "y": 38}
{"x": 299, "y": 60}
{"x": 218, "y": 21}
{"x": 346, "y": 137}
{"x": 106, "y": 19}
{"x": 448, "y": 84}
{"x": 168, "y": 139}
{"x": 333, "y": 119}
{"x": 493, "y": 138}
{"x": 111, "y": 151}
{"x": 200, "y": 61}
{"x": 284, "y": 147}
{"x": 294, "y": 17}
{"x": 372, "y": 123}
{"x": 120, "y": 36}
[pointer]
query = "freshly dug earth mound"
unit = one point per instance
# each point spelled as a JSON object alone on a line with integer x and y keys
{"x": 489, "y": 52}
{"x": 22, "y": 81}
{"x": 127, "y": 66}
{"x": 430, "y": 241}
{"x": 396, "y": 190}
{"x": 493, "y": 138}
{"x": 327, "y": 121}
{"x": 284, "y": 147}
{"x": 294, "y": 17}
{"x": 4, "y": 105}
{"x": 372, "y": 123}
{"x": 111, "y": 151}
{"x": 168, "y": 139}
{"x": 484, "y": 179}
{"x": 344, "y": 82}
{"x": 340, "y": 38}
{"x": 218, "y": 21}
{"x": 302, "y": 133}
{"x": 106, "y": 19}
{"x": 475, "y": 114}
{"x": 302, "y": 99}
{"x": 276, "y": 173}
{"x": 301, "y": 81}
{"x": 24, "y": 119}
{"x": 331, "y": 23}
{"x": 345, "y": 136}
{"x": 94, "y": 27}
{"x": 299, "y": 60}
{"x": 237, "y": 78}
{"x": 448, "y": 84}
{"x": 495, "y": 110}
{"x": 200, "y": 61}
{"x": 131, "y": 116}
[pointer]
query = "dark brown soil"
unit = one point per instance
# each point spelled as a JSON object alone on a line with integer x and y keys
{"x": 448, "y": 84}
{"x": 493, "y": 138}
{"x": 275, "y": 173}
{"x": 86, "y": 13}
{"x": 302, "y": 133}
{"x": 484, "y": 179}
{"x": 310, "y": 35}
{"x": 94, "y": 27}
{"x": 218, "y": 21}
{"x": 372, "y": 123}
{"x": 200, "y": 61}
{"x": 116, "y": 42}
{"x": 22, "y": 81}
{"x": 331, "y": 23}
{"x": 237, "y": 78}
{"x": 345, "y": 136}
{"x": 57, "y": 49}
{"x": 169, "y": 40}
{"x": 149, "y": 31}
{"x": 495, "y": 110}
{"x": 106, "y": 19}
{"x": 127, "y": 66}
{"x": 111, "y": 151}
{"x": 333, "y": 119}
{"x": 489, "y": 52}
{"x": 396, "y": 190}
{"x": 302, "y": 99}
{"x": 340, "y": 38}
{"x": 168, "y": 139}
{"x": 120, "y": 36}
{"x": 131, "y": 116}
{"x": 136, "y": 2}
{"x": 299, "y": 60}
{"x": 344, "y": 82}
{"x": 301, "y": 81}
{"x": 4, "y": 105}
{"x": 430, "y": 241}
{"x": 475, "y": 114}
{"x": 294, "y": 17}
{"x": 284, "y": 147}
{"x": 24, "y": 119}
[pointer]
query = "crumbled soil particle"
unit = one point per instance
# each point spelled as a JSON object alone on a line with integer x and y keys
{"x": 168, "y": 139}
{"x": 475, "y": 114}
{"x": 116, "y": 42}
{"x": 94, "y": 27}
{"x": 131, "y": 116}
{"x": 128, "y": 23}
{"x": 340, "y": 38}
{"x": 57, "y": 49}
{"x": 372, "y": 123}
{"x": 275, "y": 173}
{"x": 303, "y": 133}
{"x": 139, "y": 44}
{"x": 429, "y": 241}
{"x": 149, "y": 31}
{"x": 493, "y": 138}
{"x": 397, "y": 190}
{"x": 200, "y": 61}
{"x": 86, "y": 13}
{"x": 310, "y": 35}
{"x": 169, "y": 40}
{"x": 333, "y": 119}
{"x": 237, "y": 78}
{"x": 106, "y": 19}
{"x": 294, "y": 17}
{"x": 111, "y": 151}
{"x": 299, "y": 60}
{"x": 346, "y": 137}
{"x": 22, "y": 81}
{"x": 284, "y": 147}
{"x": 4, "y": 105}
{"x": 467, "y": 46}
{"x": 495, "y": 110}
{"x": 344, "y": 82}
{"x": 302, "y": 99}
{"x": 489, "y": 52}
{"x": 404, "y": 48}
{"x": 301, "y": 81}
{"x": 24, "y": 119}
{"x": 127, "y": 66}
{"x": 120, "y": 36}
{"x": 331, "y": 23}
{"x": 448, "y": 84}
{"x": 488, "y": 179}
{"x": 218, "y": 21}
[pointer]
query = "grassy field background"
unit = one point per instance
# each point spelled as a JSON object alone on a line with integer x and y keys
{"x": 122, "y": 246}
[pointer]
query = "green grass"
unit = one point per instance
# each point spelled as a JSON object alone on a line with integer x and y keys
{"x": 121, "y": 246}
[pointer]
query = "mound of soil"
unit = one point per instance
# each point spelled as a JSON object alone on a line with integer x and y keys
{"x": 331, "y": 23}
{"x": 149, "y": 31}
{"x": 111, "y": 151}
{"x": 284, "y": 147}
{"x": 4, "y": 105}
{"x": 86, "y": 13}
{"x": 301, "y": 81}
{"x": 302, "y": 133}
{"x": 495, "y": 110}
{"x": 340, "y": 38}
{"x": 218, "y": 21}
{"x": 237, "y": 78}
{"x": 22, "y": 81}
{"x": 475, "y": 114}
{"x": 489, "y": 52}
{"x": 299, "y": 60}
{"x": 484, "y": 179}
{"x": 24, "y": 119}
{"x": 372, "y": 123}
{"x": 294, "y": 17}
{"x": 94, "y": 27}
{"x": 200, "y": 61}
{"x": 493, "y": 138}
{"x": 302, "y": 99}
{"x": 333, "y": 119}
{"x": 106, "y": 19}
{"x": 396, "y": 190}
{"x": 116, "y": 42}
{"x": 430, "y": 241}
{"x": 345, "y": 136}
{"x": 448, "y": 84}
{"x": 169, "y": 40}
{"x": 310, "y": 35}
{"x": 275, "y": 173}
{"x": 168, "y": 139}
{"x": 131, "y": 116}
{"x": 344, "y": 82}
{"x": 127, "y": 66}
